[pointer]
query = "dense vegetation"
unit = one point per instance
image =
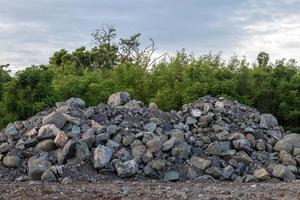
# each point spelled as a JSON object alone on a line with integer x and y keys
{"x": 124, "y": 65}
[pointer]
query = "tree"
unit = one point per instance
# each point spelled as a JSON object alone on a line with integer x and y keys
{"x": 4, "y": 77}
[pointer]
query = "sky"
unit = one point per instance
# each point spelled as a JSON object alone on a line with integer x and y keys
{"x": 32, "y": 30}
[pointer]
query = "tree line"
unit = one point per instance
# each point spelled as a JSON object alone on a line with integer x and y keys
{"x": 126, "y": 65}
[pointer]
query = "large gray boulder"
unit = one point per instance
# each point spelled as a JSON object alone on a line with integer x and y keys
{"x": 75, "y": 102}
{"x": 11, "y": 131}
{"x": 36, "y": 167}
{"x": 283, "y": 172}
{"x": 118, "y": 99}
{"x": 267, "y": 121}
{"x": 288, "y": 143}
{"x": 56, "y": 118}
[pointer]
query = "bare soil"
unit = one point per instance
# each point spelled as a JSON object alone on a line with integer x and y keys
{"x": 150, "y": 190}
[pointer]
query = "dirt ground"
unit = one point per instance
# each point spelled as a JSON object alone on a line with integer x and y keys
{"x": 150, "y": 190}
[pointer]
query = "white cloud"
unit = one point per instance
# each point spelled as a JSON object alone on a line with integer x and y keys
{"x": 267, "y": 26}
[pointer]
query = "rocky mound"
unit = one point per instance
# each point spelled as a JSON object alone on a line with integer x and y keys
{"x": 209, "y": 139}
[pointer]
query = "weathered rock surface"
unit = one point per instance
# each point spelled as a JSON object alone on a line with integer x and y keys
{"x": 213, "y": 138}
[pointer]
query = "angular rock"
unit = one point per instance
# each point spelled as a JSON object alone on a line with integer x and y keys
{"x": 89, "y": 137}
{"x": 11, "y": 131}
{"x": 48, "y": 131}
{"x": 171, "y": 176}
{"x": 288, "y": 143}
{"x": 127, "y": 169}
{"x": 267, "y": 121}
{"x": 200, "y": 163}
{"x": 118, "y": 99}
{"x": 67, "y": 152}
{"x": 56, "y": 118}
{"x": 227, "y": 172}
{"x": 75, "y": 102}
{"x": 137, "y": 149}
{"x": 102, "y": 156}
{"x": 48, "y": 176}
{"x": 261, "y": 174}
{"x": 154, "y": 145}
{"x": 286, "y": 158}
{"x": 36, "y": 167}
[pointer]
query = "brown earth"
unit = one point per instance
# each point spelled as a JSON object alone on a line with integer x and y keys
{"x": 150, "y": 190}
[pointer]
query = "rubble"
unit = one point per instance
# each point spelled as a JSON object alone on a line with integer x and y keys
{"x": 212, "y": 138}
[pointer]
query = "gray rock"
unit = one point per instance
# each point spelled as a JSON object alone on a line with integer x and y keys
{"x": 56, "y": 118}
{"x": 118, "y": 99}
{"x": 114, "y": 146}
{"x": 154, "y": 145}
{"x": 67, "y": 152}
{"x": 200, "y": 163}
{"x": 267, "y": 121}
{"x": 45, "y": 145}
{"x": 137, "y": 149}
{"x": 196, "y": 113}
{"x": 171, "y": 176}
{"x": 214, "y": 172}
{"x": 288, "y": 143}
{"x": 283, "y": 172}
{"x": 75, "y": 102}
{"x": 48, "y": 176}
{"x": 127, "y": 169}
{"x": 48, "y": 131}
{"x": 227, "y": 172}
{"x": 157, "y": 164}
{"x": 169, "y": 144}
{"x": 151, "y": 126}
{"x": 190, "y": 121}
{"x": 4, "y": 147}
{"x": 36, "y": 167}
{"x": 12, "y": 161}
{"x": 76, "y": 130}
{"x": 181, "y": 150}
{"x": 11, "y": 131}
{"x": 214, "y": 148}
{"x": 286, "y": 158}
{"x": 102, "y": 156}
{"x": 89, "y": 137}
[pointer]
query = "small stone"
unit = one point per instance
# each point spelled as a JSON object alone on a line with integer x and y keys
{"x": 12, "y": 161}
{"x": 171, "y": 176}
{"x": 48, "y": 176}
{"x": 200, "y": 163}
{"x": 190, "y": 121}
{"x": 112, "y": 145}
{"x": 214, "y": 172}
{"x": 151, "y": 126}
{"x": 76, "y": 130}
{"x": 154, "y": 145}
{"x": 181, "y": 150}
{"x": 102, "y": 156}
{"x": 157, "y": 164}
{"x": 66, "y": 181}
{"x": 127, "y": 169}
{"x": 196, "y": 113}
{"x": 56, "y": 118}
{"x": 261, "y": 174}
{"x": 227, "y": 172}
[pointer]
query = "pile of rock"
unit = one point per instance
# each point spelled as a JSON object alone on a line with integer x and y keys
{"x": 209, "y": 139}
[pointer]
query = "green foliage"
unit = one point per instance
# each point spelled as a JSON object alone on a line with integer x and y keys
{"x": 123, "y": 65}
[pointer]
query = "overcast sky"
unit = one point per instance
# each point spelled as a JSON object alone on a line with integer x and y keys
{"x": 31, "y": 30}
